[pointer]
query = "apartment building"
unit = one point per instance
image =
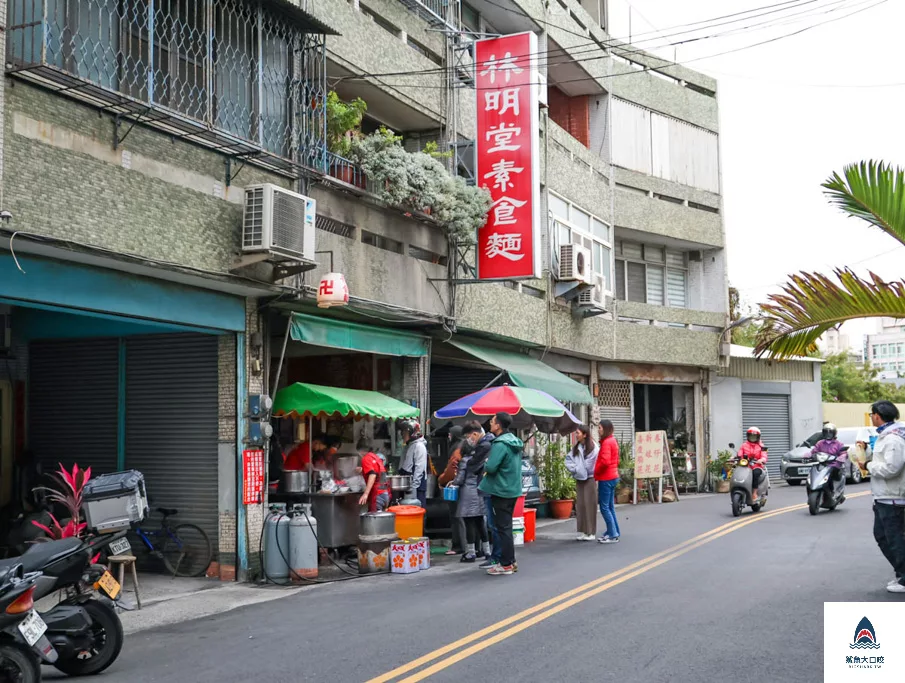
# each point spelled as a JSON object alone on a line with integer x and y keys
{"x": 134, "y": 136}
{"x": 885, "y": 349}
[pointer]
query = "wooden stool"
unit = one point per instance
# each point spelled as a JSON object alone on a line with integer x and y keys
{"x": 122, "y": 561}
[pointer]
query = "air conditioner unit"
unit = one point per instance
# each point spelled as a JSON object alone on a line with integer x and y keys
{"x": 596, "y": 295}
{"x": 575, "y": 263}
{"x": 279, "y": 222}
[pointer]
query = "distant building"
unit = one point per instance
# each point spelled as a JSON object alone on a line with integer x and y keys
{"x": 885, "y": 350}
{"x": 833, "y": 342}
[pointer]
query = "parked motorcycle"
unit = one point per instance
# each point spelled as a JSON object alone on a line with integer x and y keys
{"x": 83, "y": 627}
{"x": 826, "y": 482}
{"x": 23, "y": 643}
{"x": 741, "y": 488}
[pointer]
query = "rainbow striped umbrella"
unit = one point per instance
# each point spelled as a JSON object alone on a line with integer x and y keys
{"x": 527, "y": 406}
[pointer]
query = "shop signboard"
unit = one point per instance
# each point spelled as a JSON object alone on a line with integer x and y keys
{"x": 649, "y": 449}
{"x": 253, "y": 479}
{"x": 506, "y": 78}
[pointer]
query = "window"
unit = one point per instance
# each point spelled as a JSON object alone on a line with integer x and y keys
{"x": 651, "y": 274}
{"x": 572, "y": 225}
{"x": 233, "y": 66}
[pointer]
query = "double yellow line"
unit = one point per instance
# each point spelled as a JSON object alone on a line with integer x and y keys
{"x": 517, "y": 623}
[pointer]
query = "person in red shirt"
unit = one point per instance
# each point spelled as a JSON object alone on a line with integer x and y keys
{"x": 756, "y": 453}
{"x": 376, "y": 493}
{"x": 300, "y": 456}
{"x": 606, "y": 472}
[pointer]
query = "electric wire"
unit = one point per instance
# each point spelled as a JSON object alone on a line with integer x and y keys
{"x": 545, "y": 58}
{"x": 668, "y": 63}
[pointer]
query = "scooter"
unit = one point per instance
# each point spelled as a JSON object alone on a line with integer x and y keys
{"x": 23, "y": 643}
{"x": 741, "y": 488}
{"x": 83, "y": 627}
{"x": 826, "y": 482}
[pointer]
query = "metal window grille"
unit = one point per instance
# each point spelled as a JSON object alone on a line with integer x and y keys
{"x": 214, "y": 71}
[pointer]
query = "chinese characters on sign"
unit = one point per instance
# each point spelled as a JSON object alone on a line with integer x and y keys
{"x": 507, "y": 156}
{"x": 253, "y": 481}
{"x": 649, "y": 451}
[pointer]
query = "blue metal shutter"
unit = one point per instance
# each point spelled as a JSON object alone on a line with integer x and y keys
{"x": 72, "y": 403}
{"x": 171, "y": 424}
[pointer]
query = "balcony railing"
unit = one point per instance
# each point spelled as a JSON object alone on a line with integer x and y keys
{"x": 436, "y": 12}
{"x": 228, "y": 74}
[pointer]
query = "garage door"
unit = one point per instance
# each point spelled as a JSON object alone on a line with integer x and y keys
{"x": 171, "y": 423}
{"x": 769, "y": 412}
{"x": 449, "y": 383}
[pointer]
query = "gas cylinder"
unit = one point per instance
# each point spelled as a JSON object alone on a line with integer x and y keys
{"x": 276, "y": 544}
{"x": 303, "y": 544}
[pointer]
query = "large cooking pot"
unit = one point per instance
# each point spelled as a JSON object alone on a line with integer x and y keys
{"x": 295, "y": 481}
{"x": 399, "y": 482}
{"x": 345, "y": 466}
{"x": 431, "y": 490}
{"x": 378, "y": 524}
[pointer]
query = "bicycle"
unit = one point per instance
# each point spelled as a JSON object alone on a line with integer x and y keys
{"x": 177, "y": 544}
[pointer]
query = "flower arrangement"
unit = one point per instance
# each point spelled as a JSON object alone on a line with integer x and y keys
{"x": 69, "y": 495}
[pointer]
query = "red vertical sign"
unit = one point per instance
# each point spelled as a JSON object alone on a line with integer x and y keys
{"x": 506, "y": 78}
{"x": 253, "y": 481}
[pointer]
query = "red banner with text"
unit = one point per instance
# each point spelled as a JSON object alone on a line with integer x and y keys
{"x": 253, "y": 481}
{"x": 506, "y": 78}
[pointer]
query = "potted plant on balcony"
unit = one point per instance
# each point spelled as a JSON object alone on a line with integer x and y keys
{"x": 462, "y": 208}
{"x": 559, "y": 486}
{"x": 343, "y": 124}
{"x": 385, "y": 162}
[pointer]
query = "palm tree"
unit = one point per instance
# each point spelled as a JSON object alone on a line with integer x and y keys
{"x": 812, "y": 303}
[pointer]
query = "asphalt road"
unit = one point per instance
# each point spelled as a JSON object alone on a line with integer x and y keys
{"x": 744, "y": 601}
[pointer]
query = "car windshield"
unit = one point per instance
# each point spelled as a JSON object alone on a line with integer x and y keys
{"x": 812, "y": 440}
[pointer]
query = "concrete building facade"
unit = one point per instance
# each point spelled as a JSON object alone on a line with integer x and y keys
{"x": 125, "y": 170}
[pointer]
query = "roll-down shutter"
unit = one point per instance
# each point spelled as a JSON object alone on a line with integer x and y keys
{"x": 72, "y": 403}
{"x": 770, "y": 413}
{"x": 449, "y": 383}
{"x": 171, "y": 424}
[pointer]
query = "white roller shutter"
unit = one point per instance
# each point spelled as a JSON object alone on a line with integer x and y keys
{"x": 770, "y": 413}
{"x": 615, "y": 402}
{"x": 631, "y": 136}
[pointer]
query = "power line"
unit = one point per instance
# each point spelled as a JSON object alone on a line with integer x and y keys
{"x": 568, "y": 58}
{"x": 667, "y": 63}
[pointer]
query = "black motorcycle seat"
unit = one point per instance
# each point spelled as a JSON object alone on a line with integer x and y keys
{"x": 40, "y": 555}
{"x": 168, "y": 512}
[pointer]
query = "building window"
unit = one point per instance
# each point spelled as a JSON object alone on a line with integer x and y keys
{"x": 232, "y": 65}
{"x": 573, "y": 225}
{"x": 651, "y": 274}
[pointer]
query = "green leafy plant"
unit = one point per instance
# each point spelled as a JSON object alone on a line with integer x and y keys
{"x": 812, "y": 303}
{"x": 720, "y": 464}
{"x": 343, "y": 122}
{"x": 557, "y": 482}
{"x": 432, "y": 149}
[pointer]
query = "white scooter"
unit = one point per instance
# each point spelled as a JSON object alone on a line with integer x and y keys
{"x": 741, "y": 487}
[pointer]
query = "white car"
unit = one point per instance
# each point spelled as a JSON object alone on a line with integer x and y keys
{"x": 798, "y": 462}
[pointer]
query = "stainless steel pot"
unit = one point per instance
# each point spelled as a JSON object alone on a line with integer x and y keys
{"x": 431, "y": 486}
{"x": 378, "y": 524}
{"x": 295, "y": 481}
{"x": 400, "y": 482}
{"x": 345, "y": 466}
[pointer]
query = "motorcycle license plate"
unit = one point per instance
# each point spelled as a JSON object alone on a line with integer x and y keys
{"x": 120, "y": 547}
{"x": 109, "y": 585}
{"x": 32, "y": 628}
{"x": 804, "y": 470}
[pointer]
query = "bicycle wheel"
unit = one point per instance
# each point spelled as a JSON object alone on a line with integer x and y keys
{"x": 187, "y": 551}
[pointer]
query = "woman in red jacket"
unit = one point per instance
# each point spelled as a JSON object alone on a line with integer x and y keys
{"x": 606, "y": 472}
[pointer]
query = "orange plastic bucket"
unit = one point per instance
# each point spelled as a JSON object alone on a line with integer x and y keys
{"x": 409, "y": 520}
{"x": 530, "y": 525}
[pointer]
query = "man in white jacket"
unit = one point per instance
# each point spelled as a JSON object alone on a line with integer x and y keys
{"x": 887, "y": 482}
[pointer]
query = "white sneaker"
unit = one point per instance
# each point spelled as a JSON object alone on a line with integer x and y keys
{"x": 896, "y": 588}
{"x": 590, "y": 537}
{"x": 580, "y": 537}
{"x": 892, "y": 582}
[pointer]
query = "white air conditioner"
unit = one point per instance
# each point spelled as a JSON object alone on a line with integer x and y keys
{"x": 594, "y": 296}
{"x": 575, "y": 263}
{"x": 279, "y": 222}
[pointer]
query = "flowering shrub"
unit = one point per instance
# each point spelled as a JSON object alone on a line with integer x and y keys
{"x": 69, "y": 495}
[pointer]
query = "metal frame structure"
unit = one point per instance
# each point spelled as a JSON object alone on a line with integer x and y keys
{"x": 231, "y": 75}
